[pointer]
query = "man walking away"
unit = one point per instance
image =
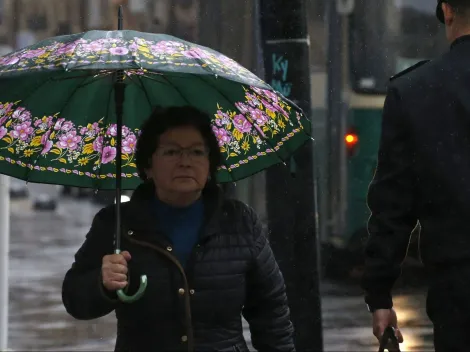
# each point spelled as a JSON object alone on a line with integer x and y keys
{"x": 423, "y": 175}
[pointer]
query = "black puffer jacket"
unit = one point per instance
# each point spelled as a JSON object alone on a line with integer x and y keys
{"x": 232, "y": 271}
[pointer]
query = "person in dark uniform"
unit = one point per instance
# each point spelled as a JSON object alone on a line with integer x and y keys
{"x": 423, "y": 174}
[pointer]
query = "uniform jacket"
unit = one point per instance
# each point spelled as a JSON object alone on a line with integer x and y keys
{"x": 423, "y": 172}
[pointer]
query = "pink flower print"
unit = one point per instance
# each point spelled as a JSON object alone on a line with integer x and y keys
{"x": 3, "y": 132}
{"x": 259, "y": 116}
{"x": 68, "y": 48}
{"x": 48, "y": 121}
{"x": 3, "y": 120}
{"x": 271, "y": 95}
{"x": 243, "y": 108}
{"x": 112, "y": 130}
{"x": 98, "y": 144}
{"x": 21, "y": 114}
{"x": 133, "y": 47}
{"x": 194, "y": 54}
{"x": 252, "y": 100}
{"x": 44, "y": 123}
{"x": 30, "y": 54}
{"x": 260, "y": 131}
{"x": 266, "y": 93}
{"x": 58, "y": 124}
{"x": 10, "y": 60}
{"x": 22, "y": 131}
{"x": 108, "y": 155}
{"x": 119, "y": 51}
{"x": 5, "y": 109}
{"x": 90, "y": 130}
{"x": 218, "y": 121}
{"x": 125, "y": 131}
{"x": 93, "y": 46}
{"x": 96, "y": 127}
{"x": 47, "y": 147}
{"x": 128, "y": 145}
{"x": 268, "y": 106}
{"x": 166, "y": 47}
{"x": 69, "y": 140}
{"x": 281, "y": 110}
{"x": 66, "y": 126}
{"x": 242, "y": 124}
{"x": 45, "y": 137}
{"x": 222, "y": 135}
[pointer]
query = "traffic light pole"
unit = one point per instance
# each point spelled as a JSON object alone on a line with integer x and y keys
{"x": 291, "y": 193}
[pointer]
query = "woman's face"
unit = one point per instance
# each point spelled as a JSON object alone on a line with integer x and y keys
{"x": 180, "y": 164}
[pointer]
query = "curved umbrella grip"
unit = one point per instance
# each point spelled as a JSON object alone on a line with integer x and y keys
{"x": 140, "y": 292}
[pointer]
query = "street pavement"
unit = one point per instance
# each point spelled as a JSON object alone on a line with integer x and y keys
{"x": 42, "y": 249}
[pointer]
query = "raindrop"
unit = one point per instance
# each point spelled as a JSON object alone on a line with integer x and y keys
{"x": 216, "y": 76}
{"x": 96, "y": 191}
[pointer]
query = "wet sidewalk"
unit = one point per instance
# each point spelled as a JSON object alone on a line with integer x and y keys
{"x": 42, "y": 249}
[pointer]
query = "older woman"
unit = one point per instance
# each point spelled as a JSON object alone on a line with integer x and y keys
{"x": 206, "y": 258}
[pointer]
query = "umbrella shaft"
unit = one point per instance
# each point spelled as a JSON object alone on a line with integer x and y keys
{"x": 119, "y": 101}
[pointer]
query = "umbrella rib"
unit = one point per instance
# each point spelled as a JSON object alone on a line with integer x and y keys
{"x": 177, "y": 89}
{"x": 106, "y": 119}
{"x": 58, "y": 79}
{"x": 28, "y": 171}
{"x": 90, "y": 74}
{"x": 147, "y": 96}
{"x": 153, "y": 79}
{"x": 266, "y": 140}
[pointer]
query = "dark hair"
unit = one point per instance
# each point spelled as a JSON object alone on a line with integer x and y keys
{"x": 163, "y": 119}
{"x": 461, "y": 7}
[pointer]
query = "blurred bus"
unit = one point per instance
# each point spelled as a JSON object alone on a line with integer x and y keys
{"x": 370, "y": 41}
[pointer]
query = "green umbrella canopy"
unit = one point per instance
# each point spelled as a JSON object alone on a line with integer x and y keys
{"x": 57, "y": 107}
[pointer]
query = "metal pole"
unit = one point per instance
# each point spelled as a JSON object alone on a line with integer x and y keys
{"x": 4, "y": 257}
{"x": 291, "y": 199}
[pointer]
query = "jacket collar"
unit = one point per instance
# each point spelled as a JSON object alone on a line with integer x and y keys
{"x": 460, "y": 41}
{"x": 139, "y": 215}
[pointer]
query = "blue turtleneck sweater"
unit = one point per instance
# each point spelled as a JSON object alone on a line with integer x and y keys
{"x": 181, "y": 226}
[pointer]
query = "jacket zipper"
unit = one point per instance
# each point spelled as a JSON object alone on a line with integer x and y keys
{"x": 187, "y": 301}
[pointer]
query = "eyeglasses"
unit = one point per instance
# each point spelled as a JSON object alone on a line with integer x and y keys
{"x": 197, "y": 154}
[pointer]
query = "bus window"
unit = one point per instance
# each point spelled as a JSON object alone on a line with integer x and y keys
{"x": 388, "y": 36}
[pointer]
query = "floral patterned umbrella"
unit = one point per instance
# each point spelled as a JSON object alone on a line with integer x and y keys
{"x": 57, "y": 107}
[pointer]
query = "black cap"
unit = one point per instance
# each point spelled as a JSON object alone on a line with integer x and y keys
{"x": 440, "y": 13}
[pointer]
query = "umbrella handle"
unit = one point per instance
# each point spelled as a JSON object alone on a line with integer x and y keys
{"x": 140, "y": 292}
{"x": 389, "y": 335}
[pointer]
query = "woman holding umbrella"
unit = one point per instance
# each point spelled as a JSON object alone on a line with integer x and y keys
{"x": 207, "y": 259}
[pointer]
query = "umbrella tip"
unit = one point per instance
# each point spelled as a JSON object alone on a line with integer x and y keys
{"x": 120, "y": 17}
